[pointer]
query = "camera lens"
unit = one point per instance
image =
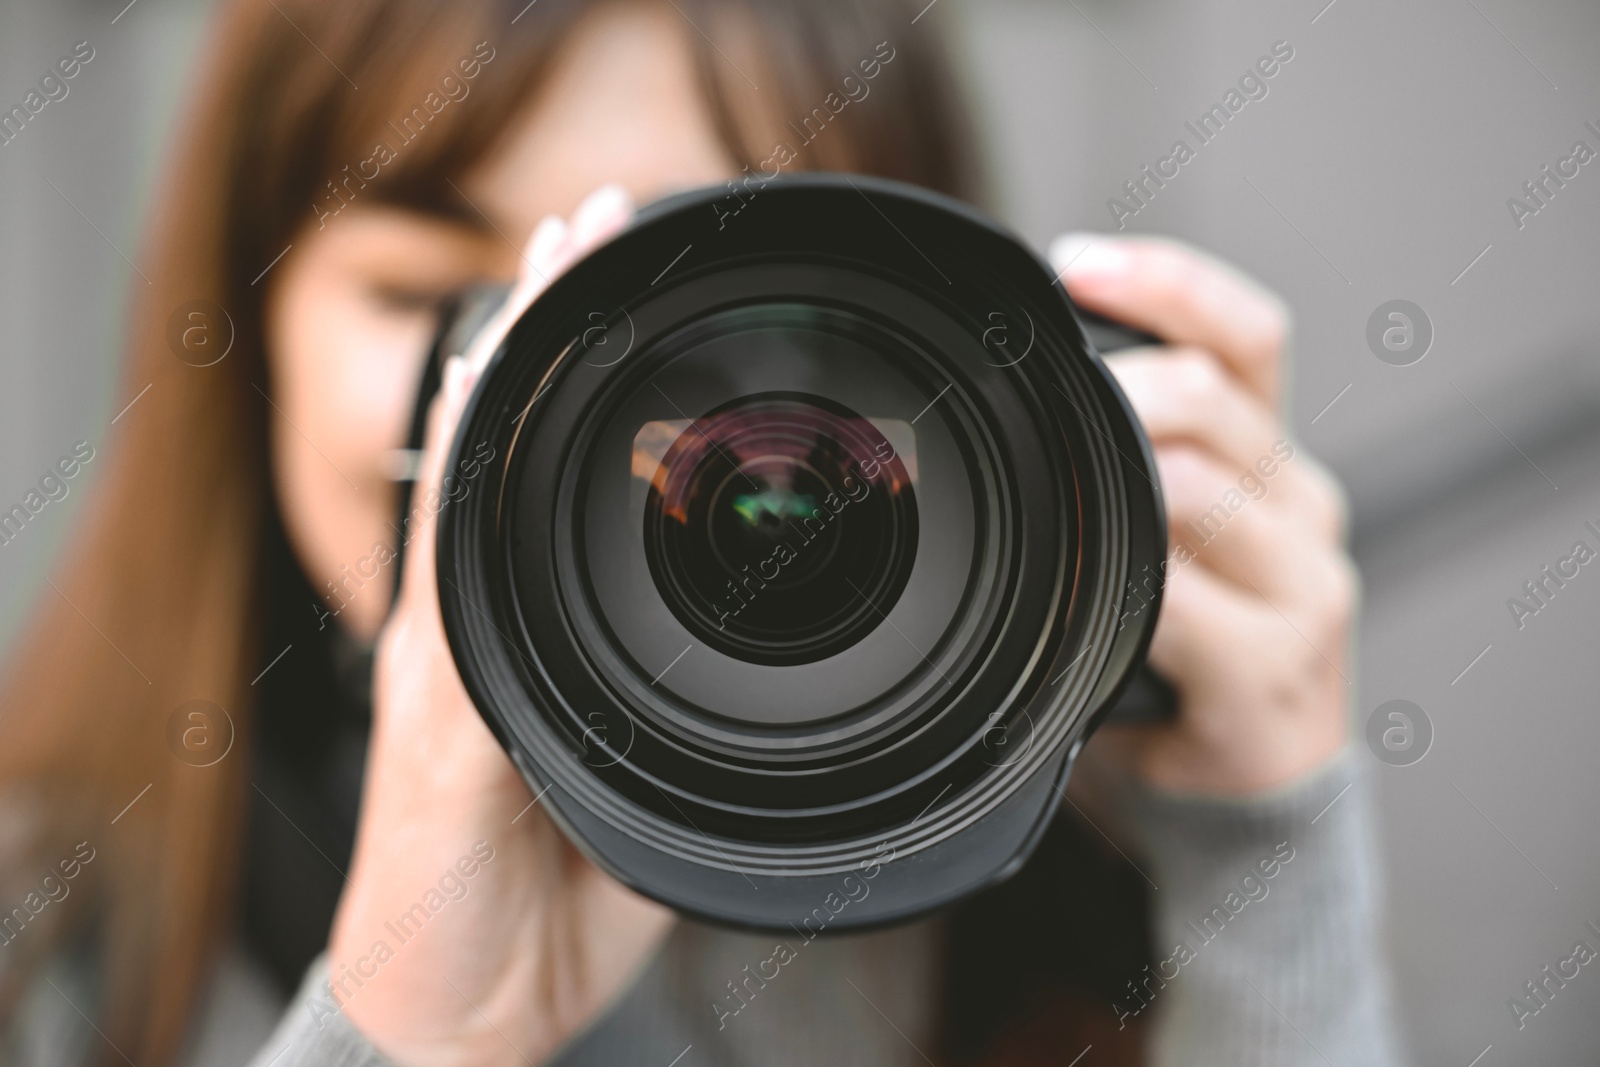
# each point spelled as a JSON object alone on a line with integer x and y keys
{"x": 769, "y": 525}
{"x": 778, "y": 526}
{"x": 804, "y": 542}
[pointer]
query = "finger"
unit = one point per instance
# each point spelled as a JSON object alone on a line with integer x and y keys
{"x": 1182, "y": 296}
{"x": 554, "y": 246}
{"x": 1212, "y": 636}
{"x": 431, "y": 493}
{"x": 600, "y": 215}
{"x": 1204, "y": 622}
{"x": 1320, "y": 500}
{"x": 1187, "y": 394}
{"x": 534, "y": 274}
{"x": 1230, "y": 530}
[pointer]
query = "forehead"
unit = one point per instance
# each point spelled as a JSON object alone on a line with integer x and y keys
{"x": 622, "y": 104}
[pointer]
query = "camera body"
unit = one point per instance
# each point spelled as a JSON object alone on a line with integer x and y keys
{"x": 817, "y": 541}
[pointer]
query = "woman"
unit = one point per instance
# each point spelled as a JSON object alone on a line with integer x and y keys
{"x": 349, "y": 168}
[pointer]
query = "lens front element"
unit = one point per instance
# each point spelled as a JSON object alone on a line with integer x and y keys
{"x": 779, "y": 529}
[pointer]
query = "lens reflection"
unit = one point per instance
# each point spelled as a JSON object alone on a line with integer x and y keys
{"x": 779, "y": 528}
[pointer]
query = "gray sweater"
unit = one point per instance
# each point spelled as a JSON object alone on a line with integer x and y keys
{"x": 1267, "y": 952}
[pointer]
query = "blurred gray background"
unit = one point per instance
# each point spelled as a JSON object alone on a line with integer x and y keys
{"x": 1377, "y": 167}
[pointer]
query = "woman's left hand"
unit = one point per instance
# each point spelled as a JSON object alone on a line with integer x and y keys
{"x": 1259, "y": 590}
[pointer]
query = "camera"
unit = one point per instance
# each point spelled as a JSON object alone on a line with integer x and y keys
{"x": 816, "y": 542}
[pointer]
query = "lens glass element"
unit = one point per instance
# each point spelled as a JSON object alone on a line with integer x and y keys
{"x": 779, "y": 528}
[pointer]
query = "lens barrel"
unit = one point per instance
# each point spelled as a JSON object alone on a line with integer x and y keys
{"x": 808, "y": 540}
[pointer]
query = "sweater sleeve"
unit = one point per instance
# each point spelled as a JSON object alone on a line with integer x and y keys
{"x": 315, "y": 1033}
{"x": 1267, "y": 927}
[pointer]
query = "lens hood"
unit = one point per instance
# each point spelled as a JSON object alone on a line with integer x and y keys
{"x": 805, "y": 541}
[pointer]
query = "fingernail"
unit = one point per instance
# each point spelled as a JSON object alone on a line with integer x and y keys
{"x": 600, "y": 210}
{"x": 547, "y": 237}
{"x": 454, "y": 375}
{"x": 1085, "y": 254}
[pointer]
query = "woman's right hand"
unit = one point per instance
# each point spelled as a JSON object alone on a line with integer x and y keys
{"x": 1255, "y": 617}
{"x": 434, "y": 965}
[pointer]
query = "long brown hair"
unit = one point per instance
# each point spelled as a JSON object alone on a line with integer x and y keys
{"x": 158, "y": 600}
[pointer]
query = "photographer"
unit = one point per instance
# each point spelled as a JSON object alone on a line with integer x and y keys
{"x": 245, "y": 501}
